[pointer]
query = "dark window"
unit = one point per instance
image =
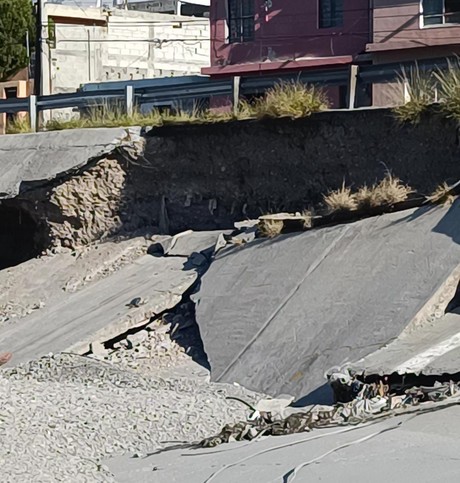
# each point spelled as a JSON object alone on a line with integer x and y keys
{"x": 241, "y": 20}
{"x": 439, "y": 12}
{"x": 191, "y": 10}
{"x": 330, "y": 13}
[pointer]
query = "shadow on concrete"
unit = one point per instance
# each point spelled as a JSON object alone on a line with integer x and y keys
{"x": 321, "y": 395}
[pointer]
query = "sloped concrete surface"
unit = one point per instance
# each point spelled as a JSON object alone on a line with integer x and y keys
{"x": 41, "y": 156}
{"x": 406, "y": 448}
{"x": 276, "y": 314}
{"x": 99, "y": 311}
{"x": 433, "y": 348}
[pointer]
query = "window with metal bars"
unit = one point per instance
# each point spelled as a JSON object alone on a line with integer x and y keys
{"x": 241, "y": 20}
{"x": 330, "y": 13}
{"x": 439, "y": 12}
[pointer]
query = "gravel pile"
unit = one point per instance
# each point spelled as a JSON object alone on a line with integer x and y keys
{"x": 61, "y": 415}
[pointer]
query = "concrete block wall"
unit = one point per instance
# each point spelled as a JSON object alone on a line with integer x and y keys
{"x": 122, "y": 45}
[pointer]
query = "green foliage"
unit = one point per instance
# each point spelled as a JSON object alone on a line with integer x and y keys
{"x": 106, "y": 116}
{"x": 449, "y": 89}
{"x": 420, "y": 89}
{"x": 19, "y": 125}
{"x": 16, "y": 19}
{"x": 289, "y": 99}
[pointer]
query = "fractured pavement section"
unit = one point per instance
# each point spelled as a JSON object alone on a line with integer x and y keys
{"x": 275, "y": 314}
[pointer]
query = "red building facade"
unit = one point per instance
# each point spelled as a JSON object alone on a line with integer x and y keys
{"x": 269, "y": 36}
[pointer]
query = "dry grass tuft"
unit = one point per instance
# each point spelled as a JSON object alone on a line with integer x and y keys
{"x": 364, "y": 196}
{"x": 289, "y": 99}
{"x": 442, "y": 195}
{"x": 420, "y": 88}
{"x": 340, "y": 200}
{"x": 272, "y": 225}
{"x": 270, "y": 228}
{"x": 180, "y": 116}
{"x": 217, "y": 116}
{"x": 389, "y": 191}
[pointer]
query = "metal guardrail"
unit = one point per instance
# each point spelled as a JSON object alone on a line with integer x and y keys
{"x": 157, "y": 92}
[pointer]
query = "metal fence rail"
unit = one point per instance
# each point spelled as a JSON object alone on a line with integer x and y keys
{"x": 157, "y": 92}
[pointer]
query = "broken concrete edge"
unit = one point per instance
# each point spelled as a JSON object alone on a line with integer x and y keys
{"x": 139, "y": 320}
{"x": 439, "y": 301}
{"x": 118, "y": 146}
{"x": 296, "y": 221}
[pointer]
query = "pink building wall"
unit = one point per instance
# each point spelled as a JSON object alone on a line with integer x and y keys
{"x": 399, "y": 25}
{"x": 399, "y": 34}
{"x": 287, "y": 36}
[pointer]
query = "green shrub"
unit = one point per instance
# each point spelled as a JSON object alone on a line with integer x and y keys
{"x": 420, "y": 87}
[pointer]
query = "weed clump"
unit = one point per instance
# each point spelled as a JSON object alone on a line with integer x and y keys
{"x": 290, "y": 99}
{"x": 340, "y": 200}
{"x": 420, "y": 89}
{"x": 442, "y": 195}
{"x": 449, "y": 89}
{"x": 388, "y": 191}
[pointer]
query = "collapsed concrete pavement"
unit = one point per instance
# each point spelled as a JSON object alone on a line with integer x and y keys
{"x": 276, "y": 314}
{"x": 107, "y": 294}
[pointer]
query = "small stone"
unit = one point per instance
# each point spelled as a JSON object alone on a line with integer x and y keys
{"x": 136, "y": 302}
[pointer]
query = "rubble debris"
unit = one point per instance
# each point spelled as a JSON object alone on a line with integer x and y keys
{"x": 63, "y": 414}
{"x": 136, "y": 338}
{"x": 357, "y": 402}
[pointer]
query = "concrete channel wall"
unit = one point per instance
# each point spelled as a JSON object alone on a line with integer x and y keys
{"x": 207, "y": 176}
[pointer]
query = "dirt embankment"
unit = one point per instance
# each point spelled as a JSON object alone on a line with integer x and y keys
{"x": 207, "y": 176}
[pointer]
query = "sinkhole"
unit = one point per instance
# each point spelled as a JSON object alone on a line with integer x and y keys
{"x": 19, "y": 236}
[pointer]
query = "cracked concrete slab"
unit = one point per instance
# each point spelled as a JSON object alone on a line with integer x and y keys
{"x": 99, "y": 311}
{"x": 276, "y": 314}
{"x": 46, "y": 280}
{"x": 416, "y": 448}
{"x": 42, "y": 156}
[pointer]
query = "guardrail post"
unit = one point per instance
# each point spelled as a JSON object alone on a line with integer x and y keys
{"x": 236, "y": 93}
{"x": 33, "y": 114}
{"x": 352, "y": 84}
{"x": 129, "y": 100}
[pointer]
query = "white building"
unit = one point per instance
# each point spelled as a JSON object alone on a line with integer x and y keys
{"x": 82, "y": 45}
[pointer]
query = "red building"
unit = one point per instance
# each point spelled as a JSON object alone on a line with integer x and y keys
{"x": 249, "y": 37}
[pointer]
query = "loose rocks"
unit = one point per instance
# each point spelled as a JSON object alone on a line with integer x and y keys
{"x": 61, "y": 415}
